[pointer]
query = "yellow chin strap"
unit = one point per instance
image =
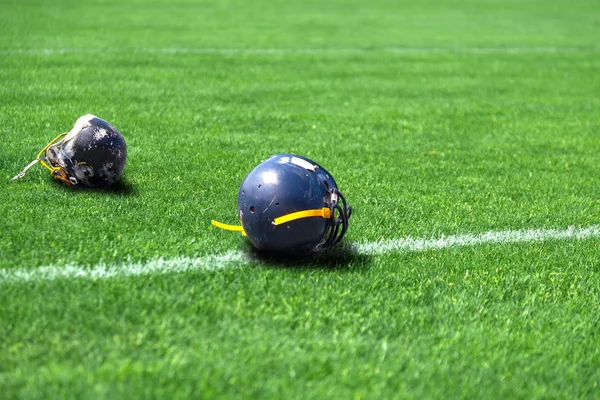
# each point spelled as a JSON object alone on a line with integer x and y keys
{"x": 57, "y": 172}
{"x": 227, "y": 227}
{"x": 319, "y": 212}
{"x": 46, "y": 148}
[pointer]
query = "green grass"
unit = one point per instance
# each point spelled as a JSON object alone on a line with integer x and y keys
{"x": 422, "y": 144}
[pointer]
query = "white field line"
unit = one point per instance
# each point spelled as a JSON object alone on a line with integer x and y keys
{"x": 309, "y": 51}
{"x": 236, "y": 258}
{"x": 500, "y": 237}
{"x": 152, "y": 267}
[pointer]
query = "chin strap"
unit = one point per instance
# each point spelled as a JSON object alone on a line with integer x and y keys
{"x": 338, "y": 225}
{"x": 60, "y": 174}
{"x": 22, "y": 173}
{"x": 235, "y": 228}
{"x": 57, "y": 172}
{"x": 319, "y": 212}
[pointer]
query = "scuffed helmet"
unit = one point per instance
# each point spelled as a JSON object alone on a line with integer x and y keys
{"x": 92, "y": 154}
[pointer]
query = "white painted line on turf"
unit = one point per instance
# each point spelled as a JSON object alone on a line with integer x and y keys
{"x": 153, "y": 267}
{"x": 500, "y": 237}
{"x": 233, "y": 258}
{"x": 315, "y": 51}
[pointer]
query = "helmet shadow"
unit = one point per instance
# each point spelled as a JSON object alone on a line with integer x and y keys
{"x": 341, "y": 257}
{"x": 122, "y": 187}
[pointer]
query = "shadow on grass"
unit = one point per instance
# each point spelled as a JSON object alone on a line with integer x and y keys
{"x": 341, "y": 257}
{"x": 122, "y": 187}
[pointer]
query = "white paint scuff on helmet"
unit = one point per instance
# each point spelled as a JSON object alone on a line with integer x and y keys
{"x": 303, "y": 163}
{"x": 80, "y": 124}
{"x": 297, "y": 161}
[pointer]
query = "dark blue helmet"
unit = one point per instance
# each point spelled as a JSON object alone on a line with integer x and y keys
{"x": 292, "y": 206}
{"x": 92, "y": 154}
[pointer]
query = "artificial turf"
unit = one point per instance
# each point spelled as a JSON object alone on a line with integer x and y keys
{"x": 435, "y": 118}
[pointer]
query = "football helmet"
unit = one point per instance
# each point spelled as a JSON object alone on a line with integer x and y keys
{"x": 292, "y": 206}
{"x": 92, "y": 154}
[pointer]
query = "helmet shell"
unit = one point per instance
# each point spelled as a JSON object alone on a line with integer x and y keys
{"x": 284, "y": 184}
{"x": 93, "y": 154}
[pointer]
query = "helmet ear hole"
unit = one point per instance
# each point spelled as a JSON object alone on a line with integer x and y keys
{"x": 251, "y": 209}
